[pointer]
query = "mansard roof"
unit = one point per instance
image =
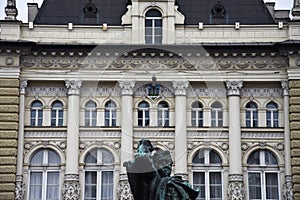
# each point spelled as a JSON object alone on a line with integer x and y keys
{"x": 195, "y": 11}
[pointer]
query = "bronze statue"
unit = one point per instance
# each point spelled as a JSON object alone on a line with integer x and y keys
{"x": 149, "y": 176}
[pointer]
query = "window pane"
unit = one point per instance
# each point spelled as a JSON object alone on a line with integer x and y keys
{"x": 270, "y": 158}
{"x": 254, "y": 158}
{"x": 272, "y": 186}
{"x": 53, "y": 185}
{"x": 90, "y": 188}
{"x": 199, "y": 157}
{"x": 107, "y": 157}
{"x": 107, "y": 185}
{"x": 214, "y": 158}
{"x": 254, "y": 185}
{"x": 215, "y": 179}
{"x": 199, "y": 183}
{"x": 53, "y": 158}
{"x": 35, "y": 188}
{"x": 37, "y": 158}
{"x": 91, "y": 157}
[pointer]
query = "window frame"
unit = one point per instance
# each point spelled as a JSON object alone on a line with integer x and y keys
{"x": 217, "y": 121}
{"x": 35, "y": 112}
{"x": 153, "y": 27}
{"x": 89, "y": 120}
{"x": 163, "y": 121}
{"x": 112, "y": 114}
{"x": 274, "y": 122}
{"x": 144, "y": 121}
{"x": 58, "y": 121}
{"x": 253, "y": 120}
{"x": 197, "y": 121}
{"x": 207, "y": 168}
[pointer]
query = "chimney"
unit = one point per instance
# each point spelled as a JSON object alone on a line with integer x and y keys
{"x": 271, "y": 8}
{"x": 32, "y": 11}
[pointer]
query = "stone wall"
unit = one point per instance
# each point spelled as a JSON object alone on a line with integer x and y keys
{"x": 9, "y": 100}
{"x": 295, "y": 134}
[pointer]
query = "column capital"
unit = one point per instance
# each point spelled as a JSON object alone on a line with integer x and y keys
{"x": 73, "y": 87}
{"x": 181, "y": 87}
{"x": 234, "y": 88}
{"x": 285, "y": 88}
{"x": 11, "y": 10}
{"x": 127, "y": 87}
{"x": 124, "y": 191}
{"x": 23, "y": 85}
{"x": 19, "y": 188}
{"x": 71, "y": 190}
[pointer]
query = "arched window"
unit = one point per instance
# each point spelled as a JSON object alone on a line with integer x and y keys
{"x": 36, "y": 113}
{"x": 272, "y": 115}
{"x": 207, "y": 174}
{"x": 263, "y": 175}
{"x": 99, "y": 175}
{"x": 143, "y": 114}
{"x": 90, "y": 114}
{"x": 44, "y": 175}
{"x": 57, "y": 113}
{"x": 251, "y": 115}
{"x": 197, "y": 114}
{"x": 91, "y": 15}
{"x": 153, "y": 27}
{"x": 216, "y": 115}
{"x": 163, "y": 115}
{"x": 110, "y": 113}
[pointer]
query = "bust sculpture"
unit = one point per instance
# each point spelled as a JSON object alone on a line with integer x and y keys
{"x": 149, "y": 176}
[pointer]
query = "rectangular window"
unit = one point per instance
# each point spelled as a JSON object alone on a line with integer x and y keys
{"x": 254, "y": 181}
{"x": 53, "y": 186}
{"x": 215, "y": 182}
{"x": 272, "y": 186}
{"x": 90, "y": 188}
{"x": 107, "y": 185}
{"x": 199, "y": 183}
{"x": 35, "y": 187}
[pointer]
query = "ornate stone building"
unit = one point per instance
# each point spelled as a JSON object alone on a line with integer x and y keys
{"x": 215, "y": 82}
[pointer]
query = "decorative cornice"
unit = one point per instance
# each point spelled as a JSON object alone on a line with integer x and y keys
{"x": 234, "y": 88}
{"x": 127, "y": 87}
{"x": 285, "y": 88}
{"x": 73, "y": 87}
{"x": 180, "y": 87}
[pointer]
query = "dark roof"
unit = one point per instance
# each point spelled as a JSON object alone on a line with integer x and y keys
{"x": 195, "y": 11}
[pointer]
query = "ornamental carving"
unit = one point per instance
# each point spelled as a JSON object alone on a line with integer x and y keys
{"x": 285, "y": 88}
{"x": 73, "y": 87}
{"x": 234, "y": 88}
{"x": 127, "y": 87}
{"x": 23, "y": 86}
{"x": 236, "y": 188}
{"x": 265, "y": 92}
{"x": 19, "y": 188}
{"x": 288, "y": 192}
{"x": 180, "y": 87}
{"x": 124, "y": 192}
{"x": 152, "y": 61}
{"x": 71, "y": 188}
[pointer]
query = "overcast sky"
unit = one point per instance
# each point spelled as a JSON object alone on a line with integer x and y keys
{"x": 22, "y": 7}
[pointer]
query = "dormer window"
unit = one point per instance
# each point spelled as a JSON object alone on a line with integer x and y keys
{"x": 90, "y": 12}
{"x": 153, "y": 27}
{"x": 218, "y": 14}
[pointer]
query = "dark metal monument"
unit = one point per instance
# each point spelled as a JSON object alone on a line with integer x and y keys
{"x": 149, "y": 176}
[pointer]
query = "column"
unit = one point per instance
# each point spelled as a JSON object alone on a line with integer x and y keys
{"x": 288, "y": 185}
{"x": 11, "y": 10}
{"x": 126, "y": 136}
{"x": 236, "y": 185}
{"x": 71, "y": 190}
{"x": 180, "y": 128}
{"x": 20, "y": 187}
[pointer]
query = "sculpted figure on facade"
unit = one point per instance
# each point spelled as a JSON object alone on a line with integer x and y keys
{"x": 149, "y": 175}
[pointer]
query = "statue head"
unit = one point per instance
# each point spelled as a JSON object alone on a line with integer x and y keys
{"x": 144, "y": 146}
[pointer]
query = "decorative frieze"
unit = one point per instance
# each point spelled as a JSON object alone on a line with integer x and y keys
{"x": 262, "y": 135}
{"x": 154, "y": 134}
{"x": 71, "y": 188}
{"x": 100, "y": 134}
{"x": 45, "y": 134}
{"x": 155, "y": 61}
{"x": 207, "y": 134}
{"x": 46, "y": 91}
{"x": 261, "y": 92}
{"x": 207, "y": 92}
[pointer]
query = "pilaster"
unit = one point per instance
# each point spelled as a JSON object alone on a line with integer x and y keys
{"x": 71, "y": 189}
{"x": 287, "y": 188}
{"x": 180, "y": 128}
{"x": 20, "y": 187}
{"x": 236, "y": 188}
{"x": 127, "y": 88}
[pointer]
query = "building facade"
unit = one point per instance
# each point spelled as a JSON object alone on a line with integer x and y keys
{"x": 217, "y": 86}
